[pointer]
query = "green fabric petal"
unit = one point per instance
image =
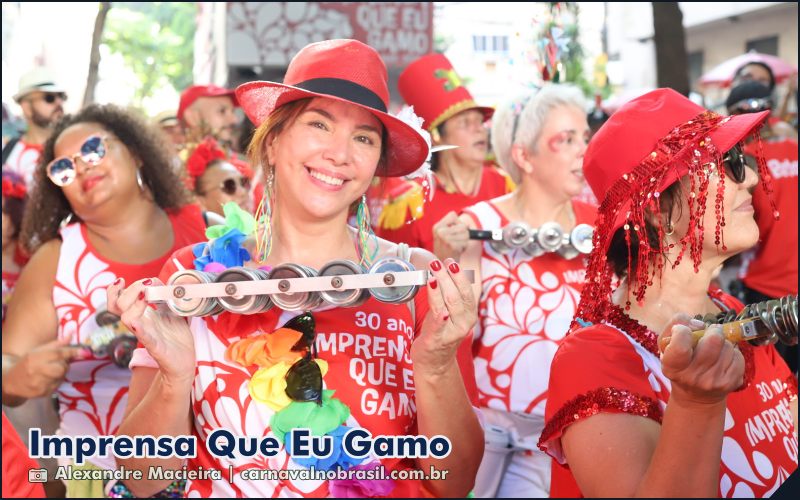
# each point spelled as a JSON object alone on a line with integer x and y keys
{"x": 308, "y": 415}
{"x": 235, "y": 218}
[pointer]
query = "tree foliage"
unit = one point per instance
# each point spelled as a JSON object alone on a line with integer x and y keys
{"x": 156, "y": 40}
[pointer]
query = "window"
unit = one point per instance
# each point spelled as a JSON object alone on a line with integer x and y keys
{"x": 695, "y": 67}
{"x": 490, "y": 43}
{"x": 766, "y": 45}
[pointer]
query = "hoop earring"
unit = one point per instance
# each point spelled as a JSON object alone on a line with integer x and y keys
{"x": 670, "y": 228}
{"x": 365, "y": 234}
{"x": 264, "y": 217}
{"x": 139, "y": 179}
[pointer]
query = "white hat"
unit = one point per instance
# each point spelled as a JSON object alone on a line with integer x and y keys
{"x": 37, "y": 79}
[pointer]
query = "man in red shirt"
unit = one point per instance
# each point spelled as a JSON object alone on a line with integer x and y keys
{"x": 17, "y": 465}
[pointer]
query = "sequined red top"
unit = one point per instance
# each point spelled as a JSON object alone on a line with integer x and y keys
{"x": 614, "y": 367}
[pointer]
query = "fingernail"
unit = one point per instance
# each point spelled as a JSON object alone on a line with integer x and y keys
{"x": 433, "y": 284}
{"x": 146, "y": 282}
{"x": 696, "y": 323}
{"x": 436, "y": 265}
{"x": 141, "y": 295}
{"x": 454, "y": 268}
{"x": 445, "y": 317}
{"x": 85, "y": 353}
{"x": 118, "y": 281}
{"x": 133, "y": 328}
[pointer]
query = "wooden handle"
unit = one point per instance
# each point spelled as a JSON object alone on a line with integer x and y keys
{"x": 735, "y": 332}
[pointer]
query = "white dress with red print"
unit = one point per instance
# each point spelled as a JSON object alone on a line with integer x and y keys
{"x": 615, "y": 368}
{"x": 368, "y": 351}
{"x": 94, "y": 393}
{"x": 93, "y": 396}
{"x": 525, "y": 309}
{"x": 23, "y": 160}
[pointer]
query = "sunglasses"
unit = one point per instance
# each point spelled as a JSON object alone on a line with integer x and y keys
{"x": 304, "y": 378}
{"x": 229, "y": 186}
{"x": 62, "y": 171}
{"x": 735, "y": 164}
{"x": 52, "y": 97}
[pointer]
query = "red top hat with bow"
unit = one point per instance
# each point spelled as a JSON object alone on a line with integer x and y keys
{"x": 433, "y": 87}
{"x": 349, "y": 71}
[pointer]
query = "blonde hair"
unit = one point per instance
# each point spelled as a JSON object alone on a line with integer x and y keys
{"x": 524, "y": 118}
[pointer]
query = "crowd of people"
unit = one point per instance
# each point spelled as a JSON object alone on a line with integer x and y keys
{"x": 571, "y": 338}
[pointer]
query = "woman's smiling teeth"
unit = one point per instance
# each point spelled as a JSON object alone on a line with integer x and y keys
{"x": 333, "y": 181}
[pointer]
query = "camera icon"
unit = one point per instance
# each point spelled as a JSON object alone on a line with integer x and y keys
{"x": 37, "y": 475}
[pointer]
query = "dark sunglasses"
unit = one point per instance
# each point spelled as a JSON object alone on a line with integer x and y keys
{"x": 62, "y": 171}
{"x": 735, "y": 164}
{"x": 304, "y": 378}
{"x": 229, "y": 186}
{"x": 51, "y": 98}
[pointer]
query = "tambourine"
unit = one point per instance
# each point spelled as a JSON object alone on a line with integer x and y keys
{"x": 291, "y": 287}
{"x": 548, "y": 238}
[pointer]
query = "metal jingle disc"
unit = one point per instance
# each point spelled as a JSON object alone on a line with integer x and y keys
{"x": 516, "y": 234}
{"x": 343, "y": 298}
{"x": 550, "y": 236}
{"x": 294, "y": 301}
{"x": 499, "y": 246}
{"x": 197, "y": 306}
{"x": 581, "y": 238}
{"x": 121, "y": 349}
{"x": 533, "y": 248}
{"x": 392, "y": 294}
{"x": 244, "y": 304}
{"x": 568, "y": 252}
{"x": 789, "y": 308}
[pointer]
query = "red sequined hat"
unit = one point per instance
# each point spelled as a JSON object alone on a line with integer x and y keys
{"x": 646, "y": 146}
{"x": 348, "y": 71}
{"x": 433, "y": 87}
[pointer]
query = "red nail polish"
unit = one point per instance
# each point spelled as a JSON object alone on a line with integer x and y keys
{"x": 446, "y": 317}
{"x": 117, "y": 281}
{"x": 454, "y": 268}
{"x": 146, "y": 282}
{"x": 141, "y": 295}
{"x": 436, "y": 265}
{"x": 433, "y": 284}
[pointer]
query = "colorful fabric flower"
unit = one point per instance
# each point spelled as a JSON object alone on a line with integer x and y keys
{"x": 235, "y": 218}
{"x": 227, "y": 249}
{"x": 268, "y": 385}
{"x": 266, "y": 350}
{"x": 13, "y": 188}
{"x": 361, "y": 488}
{"x": 337, "y": 459}
{"x": 202, "y": 256}
{"x": 320, "y": 419}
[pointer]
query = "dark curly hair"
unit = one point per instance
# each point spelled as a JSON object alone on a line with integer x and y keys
{"x": 47, "y": 205}
{"x": 14, "y": 207}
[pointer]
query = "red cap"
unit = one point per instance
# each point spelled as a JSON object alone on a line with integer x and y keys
{"x": 348, "y": 71}
{"x": 195, "y": 92}
{"x": 431, "y": 85}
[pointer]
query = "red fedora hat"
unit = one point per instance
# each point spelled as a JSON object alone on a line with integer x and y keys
{"x": 433, "y": 87}
{"x": 349, "y": 71}
{"x": 637, "y": 130}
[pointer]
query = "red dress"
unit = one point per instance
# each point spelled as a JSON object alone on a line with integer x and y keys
{"x": 773, "y": 270}
{"x": 615, "y": 368}
{"x": 419, "y": 232}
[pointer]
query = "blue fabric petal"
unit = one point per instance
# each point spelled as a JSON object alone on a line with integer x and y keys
{"x": 202, "y": 256}
{"x": 337, "y": 459}
{"x": 227, "y": 249}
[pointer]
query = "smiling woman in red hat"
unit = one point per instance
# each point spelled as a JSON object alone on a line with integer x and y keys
{"x": 391, "y": 369}
{"x": 684, "y": 420}
{"x": 462, "y": 176}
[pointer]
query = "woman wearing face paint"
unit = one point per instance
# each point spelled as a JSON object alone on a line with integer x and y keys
{"x": 667, "y": 417}
{"x": 390, "y": 369}
{"x": 528, "y": 294}
{"x": 427, "y": 216}
{"x": 106, "y": 207}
